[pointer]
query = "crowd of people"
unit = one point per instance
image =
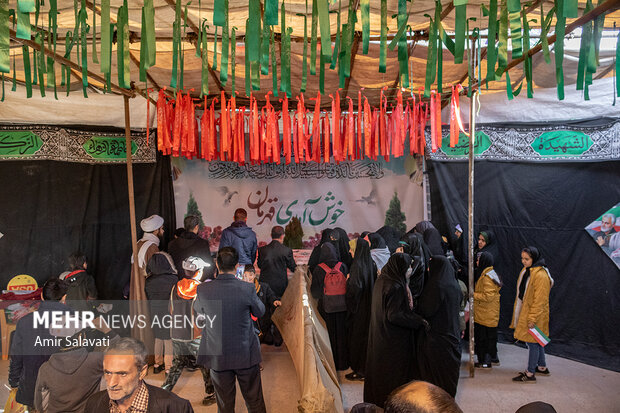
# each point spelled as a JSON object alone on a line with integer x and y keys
{"x": 394, "y": 306}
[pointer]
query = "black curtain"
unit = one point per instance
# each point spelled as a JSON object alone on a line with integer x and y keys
{"x": 51, "y": 209}
{"x": 546, "y": 205}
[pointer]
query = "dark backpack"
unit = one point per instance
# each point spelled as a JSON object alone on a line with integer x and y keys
{"x": 334, "y": 289}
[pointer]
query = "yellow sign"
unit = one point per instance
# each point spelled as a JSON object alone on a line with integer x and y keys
{"x": 22, "y": 282}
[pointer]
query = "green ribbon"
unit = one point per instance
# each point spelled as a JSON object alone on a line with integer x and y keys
{"x": 264, "y": 45}
{"x": 219, "y": 13}
{"x": 143, "y": 49}
{"x": 225, "y": 49}
{"x": 271, "y": 12}
{"x": 491, "y": 49}
{"x": 502, "y": 50}
{"x": 274, "y": 65}
{"x": 560, "y": 31}
{"x": 5, "y": 59}
{"x": 439, "y": 29}
{"x": 176, "y": 45}
{"x": 304, "y": 68}
{"x": 39, "y": 39}
{"x": 215, "y": 50}
{"x": 599, "y": 24}
{"x": 106, "y": 38}
{"x": 23, "y": 23}
{"x": 51, "y": 44}
{"x": 285, "y": 81}
{"x": 348, "y": 39}
{"x": 326, "y": 37}
{"x": 66, "y": 79}
{"x": 248, "y": 74}
{"x": 365, "y": 6}
{"x": 431, "y": 58}
{"x": 233, "y": 58}
{"x": 34, "y": 66}
{"x": 84, "y": 29}
{"x": 545, "y": 25}
{"x": 94, "y": 42}
{"x": 151, "y": 43}
{"x": 122, "y": 53}
{"x": 2, "y": 100}
{"x": 570, "y": 8}
{"x": 313, "y": 34}
{"x": 527, "y": 63}
{"x": 460, "y": 17}
{"x": 383, "y": 44}
{"x": 324, "y": 60}
{"x": 26, "y": 6}
{"x": 204, "y": 54}
{"x": 342, "y": 56}
{"x": 335, "y": 52}
{"x": 514, "y": 16}
{"x": 182, "y": 49}
{"x": 254, "y": 31}
{"x": 27, "y": 73}
{"x": 584, "y": 49}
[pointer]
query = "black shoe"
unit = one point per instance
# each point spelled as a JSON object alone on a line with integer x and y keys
{"x": 482, "y": 365}
{"x": 354, "y": 376}
{"x": 158, "y": 369}
{"x": 544, "y": 372}
{"x": 524, "y": 378}
{"x": 209, "y": 400}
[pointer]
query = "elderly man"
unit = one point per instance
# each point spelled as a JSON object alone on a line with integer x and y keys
{"x": 124, "y": 369}
{"x": 607, "y": 230}
{"x": 153, "y": 228}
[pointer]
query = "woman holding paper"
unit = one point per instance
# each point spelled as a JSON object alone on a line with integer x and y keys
{"x": 530, "y": 318}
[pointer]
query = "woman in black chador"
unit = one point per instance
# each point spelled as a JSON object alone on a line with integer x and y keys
{"x": 335, "y": 318}
{"x": 439, "y": 355}
{"x": 315, "y": 255}
{"x": 359, "y": 299}
{"x": 390, "y": 355}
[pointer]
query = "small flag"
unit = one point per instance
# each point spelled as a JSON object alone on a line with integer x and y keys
{"x": 539, "y": 336}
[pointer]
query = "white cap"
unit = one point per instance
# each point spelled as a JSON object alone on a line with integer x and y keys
{"x": 458, "y": 228}
{"x": 152, "y": 223}
{"x": 194, "y": 264}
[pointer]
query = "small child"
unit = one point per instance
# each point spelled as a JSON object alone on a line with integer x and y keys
{"x": 486, "y": 314}
{"x": 268, "y": 298}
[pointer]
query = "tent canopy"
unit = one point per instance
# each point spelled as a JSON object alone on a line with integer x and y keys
{"x": 365, "y": 68}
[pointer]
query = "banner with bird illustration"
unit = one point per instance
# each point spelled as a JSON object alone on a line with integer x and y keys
{"x": 356, "y": 196}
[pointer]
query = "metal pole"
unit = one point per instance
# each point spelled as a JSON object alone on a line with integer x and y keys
{"x": 470, "y": 232}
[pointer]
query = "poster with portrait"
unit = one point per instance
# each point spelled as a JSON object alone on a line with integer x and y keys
{"x": 356, "y": 196}
{"x": 605, "y": 231}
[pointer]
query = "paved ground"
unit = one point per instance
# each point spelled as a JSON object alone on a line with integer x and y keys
{"x": 572, "y": 386}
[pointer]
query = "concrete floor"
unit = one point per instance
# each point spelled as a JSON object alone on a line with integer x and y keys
{"x": 572, "y": 386}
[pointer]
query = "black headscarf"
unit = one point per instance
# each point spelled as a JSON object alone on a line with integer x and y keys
{"x": 416, "y": 282}
{"x": 376, "y": 241}
{"x": 491, "y": 245}
{"x": 422, "y": 226}
{"x": 313, "y": 261}
{"x": 391, "y": 236}
{"x": 160, "y": 263}
{"x": 340, "y": 239}
{"x": 537, "y": 261}
{"x": 396, "y": 268}
{"x": 432, "y": 239}
{"x": 329, "y": 255}
{"x": 363, "y": 267}
{"x": 485, "y": 260}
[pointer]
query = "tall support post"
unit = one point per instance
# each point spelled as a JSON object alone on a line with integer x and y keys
{"x": 132, "y": 201}
{"x": 470, "y": 232}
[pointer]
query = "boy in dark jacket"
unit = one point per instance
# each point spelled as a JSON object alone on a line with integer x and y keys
{"x": 269, "y": 300}
{"x": 81, "y": 285}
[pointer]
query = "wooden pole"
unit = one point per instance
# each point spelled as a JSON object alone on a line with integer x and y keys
{"x": 132, "y": 201}
{"x": 470, "y": 223}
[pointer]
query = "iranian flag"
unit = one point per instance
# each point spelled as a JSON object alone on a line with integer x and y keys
{"x": 539, "y": 336}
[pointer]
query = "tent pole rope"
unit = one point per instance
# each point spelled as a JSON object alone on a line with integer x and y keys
{"x": 130, "y": 189}
{"x": 470, "y": 223}
{"x": 60, "y": 59}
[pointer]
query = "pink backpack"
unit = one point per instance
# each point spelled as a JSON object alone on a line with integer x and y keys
{"x": 334, "y": 289}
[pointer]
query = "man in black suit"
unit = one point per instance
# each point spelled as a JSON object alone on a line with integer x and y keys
{"x": 190, "y": 244}
{"x": 124, "y": 369}
{"x": 229, "y": 345}
{"x": 273, "y": 260}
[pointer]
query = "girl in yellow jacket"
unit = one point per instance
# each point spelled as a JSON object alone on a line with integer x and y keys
{"x": 532, "y": 309}
{"x": 486, "y": 311}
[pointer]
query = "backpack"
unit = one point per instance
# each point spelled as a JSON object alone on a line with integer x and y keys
{"x": 334, "y": 289}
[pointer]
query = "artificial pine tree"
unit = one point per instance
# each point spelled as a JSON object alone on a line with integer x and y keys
{"x": 192, "y": 209}
{"x": 394, "y": 217}
{"x": 294, "y": 234}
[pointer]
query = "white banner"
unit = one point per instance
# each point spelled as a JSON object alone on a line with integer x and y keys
{"x": 353, "y": 195}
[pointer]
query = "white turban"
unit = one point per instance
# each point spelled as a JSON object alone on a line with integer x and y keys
{"x": 152, "y": 223}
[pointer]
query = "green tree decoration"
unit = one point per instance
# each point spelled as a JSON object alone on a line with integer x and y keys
{"x": 192, "y": 209}
{"x": 294, "y": 234}
{"x": 394, "y": 217}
